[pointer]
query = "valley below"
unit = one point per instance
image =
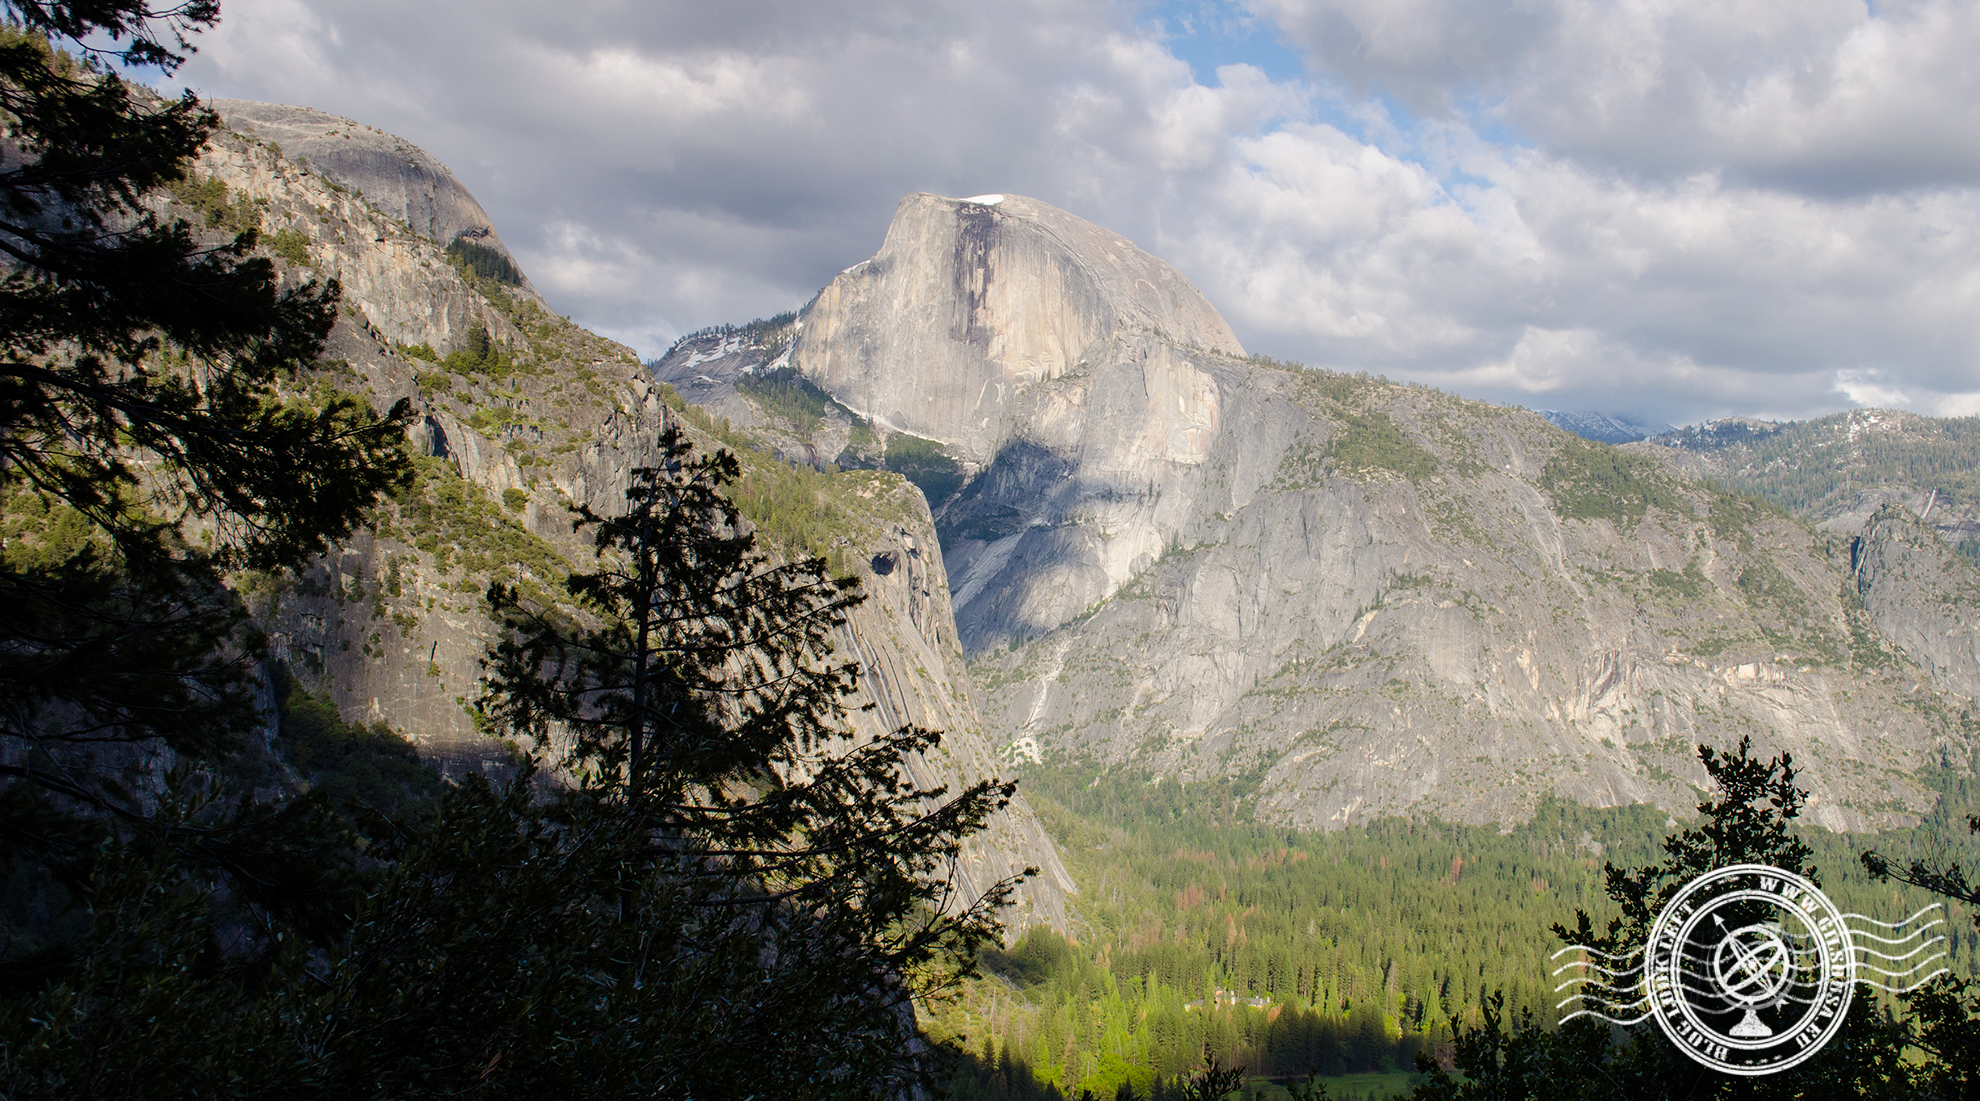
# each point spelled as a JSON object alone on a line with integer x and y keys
{"x": 1328, "y": 696}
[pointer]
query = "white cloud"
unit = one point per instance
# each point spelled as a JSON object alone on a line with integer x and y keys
{"x": 1705, "y": 208}
{"x": 1868, "y": 387}
{"x": 1826, "y": 96}
{"x": 1957, "y": 405}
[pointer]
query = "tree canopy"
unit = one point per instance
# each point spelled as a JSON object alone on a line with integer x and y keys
{"x": 154, "y": 436}
{"x": 1874, "y": 1055}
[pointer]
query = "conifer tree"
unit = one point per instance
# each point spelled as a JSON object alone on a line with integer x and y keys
{"x": 1947, "y": 1010}
{"x": 146, "y": 450}
{"x": 1747, "y": 820}
{"x": 690, "y": 690}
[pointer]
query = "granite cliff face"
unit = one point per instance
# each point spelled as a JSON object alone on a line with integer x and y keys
{"x": 1388, "y": 600}
{"x": 391, "y": 624}
{"x": 1922, "y": 596}
{"x": 1076, "y": 375}
{"x": 1904, "y": 489}
{"x": 913, "y": 672}
{"x": 563, "y": 424}
{"x": 394, "y": 176}
{"x": 971, "y": 302}
{"x": 1371, "y": 598}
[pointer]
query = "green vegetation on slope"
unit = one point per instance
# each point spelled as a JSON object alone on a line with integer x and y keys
{"x": 1372, "y": 440}
{"x": 1361, "y": 943}
{"x": 927, "y": 464}
{"x": 481, "y": 263}
{"x": 209, "y": 198}
{"x": 788, "y": 395}
{"x": 799, "y": 510}
{"x": 1808, "y": 466}
{"x": 461, "y": 526}
{"x": 1590, "y": 481}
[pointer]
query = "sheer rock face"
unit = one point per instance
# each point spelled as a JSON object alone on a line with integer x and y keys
{"x": 411, "y": 658}
{"x": 400, "y": 281}
{"x": 1922, "y": 596}
{"x": 969, "y": 304}
{"x": 395, "y": 176}
{"x": 1379, "y": 601}
{"x": 1375, "y": 599}
{"x": 912, "y": 672}
{"x": 1079, "y": 374}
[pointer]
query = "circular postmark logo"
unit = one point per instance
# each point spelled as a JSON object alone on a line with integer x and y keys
{"x": 1748, "y": 969}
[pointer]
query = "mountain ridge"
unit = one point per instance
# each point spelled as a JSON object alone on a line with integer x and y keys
{"x": 521, "y": 415}
{"x": 1349, "y": 579}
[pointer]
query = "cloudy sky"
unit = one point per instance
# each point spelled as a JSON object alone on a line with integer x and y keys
{"x": 1666, "y": 209}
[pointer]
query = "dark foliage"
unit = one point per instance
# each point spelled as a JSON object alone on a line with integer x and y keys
{"x": 138, "y": 394}
{"x": 482, "y": 263}
{"x": 145, "y": 450}
{"x": 1214, "y": 1082}
{"x": 691, "y": 689}
{"x": 927, "y": 464}
{"x": 727, "y": 900}
{"x": 102, "y": 286}
{"x": 1746, "y": 823}
{"x": 1947, "y": 1011}
{"x": 362, "y": 770}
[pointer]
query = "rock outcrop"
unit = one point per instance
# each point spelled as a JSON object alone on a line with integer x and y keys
{"x": 1922, "y": 596}
{"x": 396, "y": 177}
{"x": 1391, "y": 601}
{"x": 1077, "y": 373}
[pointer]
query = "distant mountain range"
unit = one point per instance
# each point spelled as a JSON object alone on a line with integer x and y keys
{"x": 1604, "y": 427}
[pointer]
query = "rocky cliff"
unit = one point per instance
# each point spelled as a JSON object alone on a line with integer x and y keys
{"x": 1369, "y": 598}
{"x": 390, "y": 621}
{"x": 1922, "y": 596}
{"x": 1076, "y": 374}
{"x": 971, "y": 302}
{"x": 522, "y": 415}
{"x": 394, "y": 176}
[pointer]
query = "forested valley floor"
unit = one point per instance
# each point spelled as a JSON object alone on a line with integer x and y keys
{"x": 1206, "y": 932}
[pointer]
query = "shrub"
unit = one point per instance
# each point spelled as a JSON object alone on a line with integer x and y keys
{"x": 480, "y": 262}
{"x": 288, "y": 245}
{"x": 927, "y": 464}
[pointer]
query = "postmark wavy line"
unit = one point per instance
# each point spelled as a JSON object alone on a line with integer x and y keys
{"x": 1608, "y": 971}
{"x": 1637, "y": 951}
{"x": 1862, "y": 951}
{"x": 1895, "y": 924}
{"x": 1889, "y": 989}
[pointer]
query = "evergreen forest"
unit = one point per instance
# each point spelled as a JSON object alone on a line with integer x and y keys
{"x": 1346, "y": 952}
